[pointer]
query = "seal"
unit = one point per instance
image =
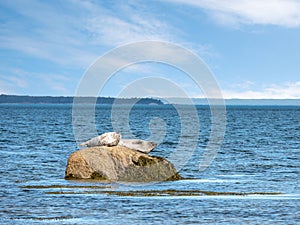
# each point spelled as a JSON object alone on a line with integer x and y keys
{"x": 139, "y": 145}
{"x": 106, "y": 139}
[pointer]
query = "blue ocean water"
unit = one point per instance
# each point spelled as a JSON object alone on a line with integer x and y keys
{"x": 260, "y": 154}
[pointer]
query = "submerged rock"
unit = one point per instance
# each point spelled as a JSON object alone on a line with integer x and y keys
{"x": 118, "y": 163}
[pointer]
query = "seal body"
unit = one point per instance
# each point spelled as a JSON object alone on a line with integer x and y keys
{"x": 139, "y": 145}
{"x": 107, "y": 139}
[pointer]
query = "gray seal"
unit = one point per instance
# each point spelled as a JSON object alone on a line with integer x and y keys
{"x": 139, "y": 145}
{"x": 107, "y": 139}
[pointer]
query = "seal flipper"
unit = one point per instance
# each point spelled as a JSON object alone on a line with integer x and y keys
{"x": 83, "y": 144}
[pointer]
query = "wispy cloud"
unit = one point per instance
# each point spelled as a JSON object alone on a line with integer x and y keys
{"x": 18, "y": 81}
{"x": 284, "y": 13}
{"x": 40, "y": 30}
{"x": 289, "y": 90}
{"x": 115, "y": 30}
{"x": 78, "y": 37}
{"x": 47, "y": 40}
{"x": 11, "y": 81}
{"x": 6, "y": 87}
{"x": 86, "y": 31}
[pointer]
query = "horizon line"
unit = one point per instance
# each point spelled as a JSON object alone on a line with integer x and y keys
{"x": 153, "y": 97}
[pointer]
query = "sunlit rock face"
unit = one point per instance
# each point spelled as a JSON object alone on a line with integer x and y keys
{"x": 118, "y": 163}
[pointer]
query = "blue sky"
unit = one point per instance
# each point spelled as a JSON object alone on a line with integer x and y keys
{"x": 251, "y": 46}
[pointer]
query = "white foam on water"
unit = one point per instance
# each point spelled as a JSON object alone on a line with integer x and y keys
{"x": 212, "y": 180}
{"x": 235, "y": 175}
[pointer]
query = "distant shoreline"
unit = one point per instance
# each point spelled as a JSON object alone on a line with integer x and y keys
{"x": 237, "y": 102}
{"x": 264, "y": 102}
{"x": 26, "y": 99}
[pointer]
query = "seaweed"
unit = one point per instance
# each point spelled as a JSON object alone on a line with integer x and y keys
{"x": 63, "y": 186}
{"x": 168, "y": 192}
{"x": 98, "y": 176}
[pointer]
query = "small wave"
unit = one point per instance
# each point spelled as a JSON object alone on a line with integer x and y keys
{"x": 28, "y": 219}
{"x": 212, "y": 180}
{"x": 235, "y": 175}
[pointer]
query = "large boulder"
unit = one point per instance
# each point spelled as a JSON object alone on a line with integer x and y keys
{"x": 118, "y": 163}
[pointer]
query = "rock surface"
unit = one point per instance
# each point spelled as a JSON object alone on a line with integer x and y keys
{"x": 118, "y": 163}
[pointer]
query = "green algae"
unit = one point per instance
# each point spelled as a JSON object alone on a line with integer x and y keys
{"x": 146, "y": 161}
{"x": 98, "y": 176}
{"x": 149, "y": 169}
{"x": 174, "y": 177}
{"x": 94, "y": 176}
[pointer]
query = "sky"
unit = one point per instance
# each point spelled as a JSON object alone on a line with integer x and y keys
{"x": 251, "y": 47}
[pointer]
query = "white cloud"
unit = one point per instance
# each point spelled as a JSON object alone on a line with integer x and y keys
{"x": 18, "y": 81}
{"x": 72, "y": 35}
{"x": 12, "y": 82}
{"x": 77, "y": 32}
{"x": 284, "y": 13}
{"x": 126, "y": 24}
{"x": 6, "y": 87}
{"x": 41, "y": 30}
{"x": 56, "y": 83}
{"x": 288, "y": 90}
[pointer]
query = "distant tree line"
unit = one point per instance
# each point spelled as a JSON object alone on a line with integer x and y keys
{"x": 69, "y": 100}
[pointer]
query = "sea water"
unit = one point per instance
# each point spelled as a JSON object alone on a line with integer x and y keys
{"x": 254, "y": 178}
